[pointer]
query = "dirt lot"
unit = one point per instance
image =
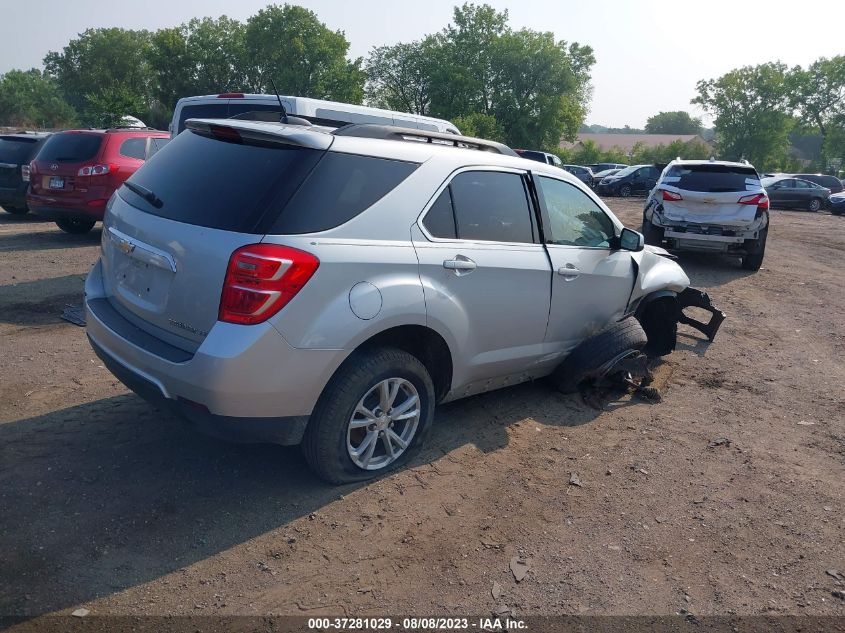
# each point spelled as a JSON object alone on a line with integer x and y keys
{"x": 108, "y": 504}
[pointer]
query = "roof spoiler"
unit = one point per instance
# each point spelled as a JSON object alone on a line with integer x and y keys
{"x": 394, "y": 133}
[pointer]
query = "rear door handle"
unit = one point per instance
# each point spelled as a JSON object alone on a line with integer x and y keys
{"x": 461, "y": 265}
{"x": 568, "y": 272}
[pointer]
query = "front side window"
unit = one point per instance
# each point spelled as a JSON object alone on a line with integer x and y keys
{"x": 491, "y": 206}
{"x": 574, "y": 218}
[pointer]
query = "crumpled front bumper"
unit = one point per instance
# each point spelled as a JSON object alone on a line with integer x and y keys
{"x": 694, "y": 298}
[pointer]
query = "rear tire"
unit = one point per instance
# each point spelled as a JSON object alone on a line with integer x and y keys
{"x": 625, "y": 191}
{"x": 16, "y": 210}
{"x": 815, "y": 205}
{"x": 653, "y": 235}
{"x": 753, "y": 260}
{"x": 335, "y": 430}
{"x": 74, "y": 226}
{"x": 588, "y": 359}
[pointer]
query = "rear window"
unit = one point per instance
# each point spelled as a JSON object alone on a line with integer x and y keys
{"x": 221, "y": 185}
{"x": 532, "y": 155}
{"x": 711, "y": 178}
{"x": 16, "y": 151}
{"x": 71, "y": 148}
{"x": 267, "y": 188}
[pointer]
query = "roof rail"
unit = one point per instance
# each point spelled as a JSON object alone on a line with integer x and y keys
{"x": 394, "y": 133}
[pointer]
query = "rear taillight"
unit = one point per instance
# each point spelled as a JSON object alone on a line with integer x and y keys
{"x": 261, "y": 279}
{"x": 671, "y": 195}
{"x": 759, "y": 200}
{"x": 25, "y": 173}
{"x": 32, "y": 169}
{"x": 97, "y": 170}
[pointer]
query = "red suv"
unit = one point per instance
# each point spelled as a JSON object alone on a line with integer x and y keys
{"x": 76, "y": 172}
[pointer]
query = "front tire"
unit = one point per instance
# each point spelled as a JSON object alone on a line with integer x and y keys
{"x": 625, "y": 191}
{"x": 74, "y": 226}
{"x": 594, "y": 356}
{"x": 16, "y": 210}
{"x": 815, "y": 205}
{"x": 371, "y": 418}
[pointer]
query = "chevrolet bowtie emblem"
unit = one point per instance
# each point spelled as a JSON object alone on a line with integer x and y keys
{"x": 126, "y": 247}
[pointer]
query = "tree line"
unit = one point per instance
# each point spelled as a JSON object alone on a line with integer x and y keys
{"x": 518, "y": 86}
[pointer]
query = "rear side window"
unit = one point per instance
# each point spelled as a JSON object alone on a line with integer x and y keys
{"x": 219, "y": 184}
{"x": 71, "y": 148}
{"x": 134, "y": 147}
{"x": 491, "y": 206}
{"x": 339, "y": 188}
{"x": 16, "y": 151}
{"x": 711, "y": 178}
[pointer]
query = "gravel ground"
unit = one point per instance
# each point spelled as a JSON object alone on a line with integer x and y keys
{"x": 110, "y": 505}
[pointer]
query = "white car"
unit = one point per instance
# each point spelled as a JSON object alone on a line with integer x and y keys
{"x": 712, "y": 206}
{"x": 326, "y": 113}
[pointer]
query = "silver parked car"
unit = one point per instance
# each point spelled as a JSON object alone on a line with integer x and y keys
{"x": 295, "y": 285}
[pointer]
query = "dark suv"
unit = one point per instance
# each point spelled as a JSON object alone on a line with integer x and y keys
{"x": 16, "y": 152}
{"x": 830, "y": 182}
{"x": 631, "y": 180}
{"x": 76, "y": 172}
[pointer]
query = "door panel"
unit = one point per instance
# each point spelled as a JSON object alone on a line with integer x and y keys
{"x": 591, "y": 283}
{"x": 492, "y": 298}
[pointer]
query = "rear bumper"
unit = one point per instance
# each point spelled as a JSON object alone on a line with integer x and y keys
{"x": 56, "y": 208}
{"x": 13, "y": 196}
{"x": 244, "y": 382}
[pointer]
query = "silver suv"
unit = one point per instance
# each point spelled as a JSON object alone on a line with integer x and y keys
{"x": 709, "y": 206}
{"x": 289, "y": 284}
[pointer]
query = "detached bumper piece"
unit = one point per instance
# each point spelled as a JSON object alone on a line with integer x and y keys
{"x": 692, "y": 298}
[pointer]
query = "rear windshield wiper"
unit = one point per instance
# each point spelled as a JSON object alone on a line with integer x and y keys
{"x": 145, "y": 193}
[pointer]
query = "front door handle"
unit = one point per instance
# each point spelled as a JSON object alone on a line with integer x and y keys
{"x": 568, "y": 272}
{"x": 461, "y": 265}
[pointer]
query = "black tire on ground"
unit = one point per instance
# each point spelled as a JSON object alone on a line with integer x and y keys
{"x": 587, "y": 359}
{"x": 75, "y": 227}
{"x": 814, "y": 205}
{"x": 653, "y": 235}
{"x": 756, "y": 249}
{"x": 625, "y": 191}
{"x": 16, "y": 210}
{"x": 325, "y": 441}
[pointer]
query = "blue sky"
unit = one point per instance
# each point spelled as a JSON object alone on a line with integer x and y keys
{"x": 649, "y": 53}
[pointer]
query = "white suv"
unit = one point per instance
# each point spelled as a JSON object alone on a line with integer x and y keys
{"x": 279, "y": 283}
{"x": 713, "y": 206}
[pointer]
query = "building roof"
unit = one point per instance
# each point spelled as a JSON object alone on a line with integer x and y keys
{"x": 626, "y": 142}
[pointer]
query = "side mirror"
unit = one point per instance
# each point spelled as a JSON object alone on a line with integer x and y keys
{"x": 630, "y": 240}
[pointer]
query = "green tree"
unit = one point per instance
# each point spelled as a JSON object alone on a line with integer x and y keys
{"x": 290, "y": 45}
{"x": 676, "y": 122}
{"x": 752, "y": 114}
{"x": 399, "y": 77}
{"x": 107, "y": 107}
{"x": 29, "y": 98}
{"x": 480, "y": 125}
{"x": 101, "y": 63}
{"x": 818, "y": 95}
{"x": 204, "y": 56}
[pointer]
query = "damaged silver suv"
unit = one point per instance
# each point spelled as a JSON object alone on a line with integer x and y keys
{"x": 280, "y": 283}
{"x": 712, "y": 206}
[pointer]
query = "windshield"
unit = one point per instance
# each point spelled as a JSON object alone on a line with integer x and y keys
{"x": 70, "y": 147}
{"x": 711, "y": 178}
{"x": 16, "y": 150}
{"x": 628, "y": 170}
